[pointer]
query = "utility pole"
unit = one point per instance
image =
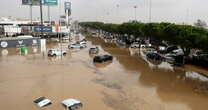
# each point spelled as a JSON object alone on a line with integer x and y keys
{"x": 41, "y": 17}
{"x": 60, "y": 33}
{"x": 49, "y": 14}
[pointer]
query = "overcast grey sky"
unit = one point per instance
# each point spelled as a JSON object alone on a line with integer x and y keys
{"x": 177, "y": 11}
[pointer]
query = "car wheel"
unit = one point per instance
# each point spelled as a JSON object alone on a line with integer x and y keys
{"x": 64, "y": 54}
{"x": 54, "y": 55}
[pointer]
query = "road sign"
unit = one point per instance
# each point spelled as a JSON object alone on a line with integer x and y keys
{"x": 44, "y": 29}
{"x": 50, "y": 2}
{"x": 26, "y": 2}
{"x": 67, "y": 5}
{"x": 37, "y": 2}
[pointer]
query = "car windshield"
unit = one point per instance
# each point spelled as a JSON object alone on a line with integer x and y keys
{"x": 75, "y": 106}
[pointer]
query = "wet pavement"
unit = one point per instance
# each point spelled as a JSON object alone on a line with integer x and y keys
{"x": 129, "y": 82}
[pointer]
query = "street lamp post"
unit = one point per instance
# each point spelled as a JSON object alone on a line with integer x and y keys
{"x": 150, "y": 10}
{"x": 31, "y": 17}
{"x": 117, "y": 7}
{"x": 135, "y": 7}
{"x": 41, "y": 17}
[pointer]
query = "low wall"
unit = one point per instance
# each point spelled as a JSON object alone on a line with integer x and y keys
{"x": 19, "y": 42}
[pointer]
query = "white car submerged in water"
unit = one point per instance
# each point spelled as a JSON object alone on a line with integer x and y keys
{"x": 56, "y": 52}
{"x": 42, "y": 102}
{"x": 72, "y": 104}
{"x": 76, "y": 46}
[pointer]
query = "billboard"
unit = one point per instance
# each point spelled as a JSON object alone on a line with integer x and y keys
{"x": 50, "y": 2}
{"x": 37, "y": 2}
{"x": 67, "y": 5}
{"x": 26, "y": 2}
{"x": 19, "y": 43}
{"x": 30, "y": 2}
{"x": 44, "y": 29}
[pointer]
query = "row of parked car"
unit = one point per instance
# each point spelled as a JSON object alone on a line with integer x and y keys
{"x": 58, "y": 52}
{"x": 172, "y": 54}
{"x": 100, "y": 58}
{"x": 199, "y": 58}
{"x": 143, "y": 45}
{"x": 79, "y": 45}
{"x": 175, "y": 55}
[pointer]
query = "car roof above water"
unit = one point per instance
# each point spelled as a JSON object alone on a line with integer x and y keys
{"x": 70, "y": 102}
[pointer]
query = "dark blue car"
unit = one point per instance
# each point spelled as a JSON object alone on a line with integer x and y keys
{"x": 155, "y": 56}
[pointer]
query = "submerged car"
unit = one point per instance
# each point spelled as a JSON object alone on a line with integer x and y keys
{"x": 137, "y": 45}
{"x": 82, "y": 42}
{"x": 201, "y": 60}
{"x": 175, "y": 59}
{"x": 72, "y": 104}
{"x": 155, "y": 56}
{"x": 42, "y": 102}
{"x": 56, "y": 52}
{"x": 134, "y": 45}
{"x": 94, "y": 50}
{"x": 76, "y": 46}
{"x": 148, "y": 51}
{"x": 169, "y": 49}
{"x": 102, "y": 58}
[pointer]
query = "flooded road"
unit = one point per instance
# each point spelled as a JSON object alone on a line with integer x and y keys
{"x": 129, "y": 82}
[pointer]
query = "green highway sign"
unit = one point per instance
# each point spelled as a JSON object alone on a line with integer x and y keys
{"x": 37, "y": 2}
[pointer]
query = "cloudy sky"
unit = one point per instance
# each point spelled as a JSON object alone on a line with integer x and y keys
{"x": 118, "y": 11}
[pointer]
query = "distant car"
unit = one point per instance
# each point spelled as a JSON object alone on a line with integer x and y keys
{"x": 149, "y": 45}
{"x": 197, "y": 53}
{"x": 102, "y": 58}
{"x": 161, "y": 48}
{"x": 94, "y": 50}
{"x": 137, "y": 45}
{"x": 143, "y": 46}
{"x": 42, "y": 102}
{"x": 148, "y": 51}
{"x": 170, "y": 49}
{"x": 176, "y": 59}
{"x": 72, "y": 104}
{"x": 155, "y": 56}
{"x": 201, "y": 60}
{"x": 82, "y": 42}
{"x": 176, "y": 52}
{"x": 56, "y": 52}
{"x": 25, "y": 36}
{"x": 134, "y": 45}
{"x": 76, "y": 46}
{"x": 94, "y": 34}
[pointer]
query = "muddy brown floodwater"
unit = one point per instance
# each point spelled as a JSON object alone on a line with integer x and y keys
{"x": 129, "y": 82}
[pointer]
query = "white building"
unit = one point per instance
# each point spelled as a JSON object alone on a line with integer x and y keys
{"x": 10, "y": 26}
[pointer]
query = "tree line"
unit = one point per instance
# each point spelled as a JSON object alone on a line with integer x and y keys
{"x": 186, "y": 36}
